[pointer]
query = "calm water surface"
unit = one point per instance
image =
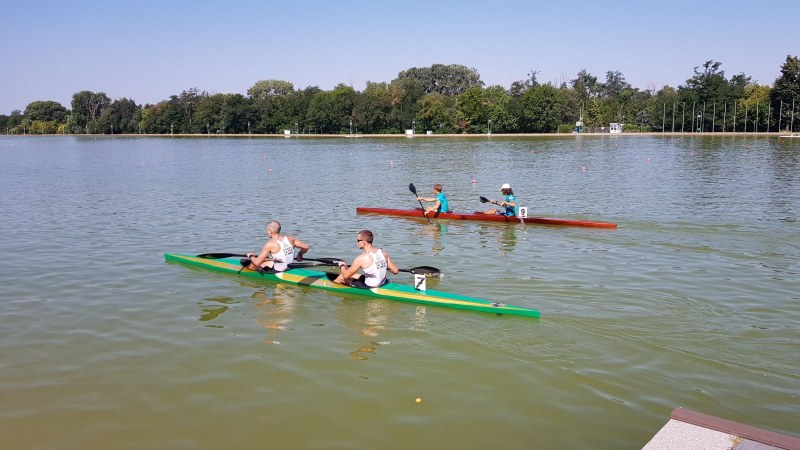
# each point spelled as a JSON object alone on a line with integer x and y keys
{"x": 692, "y": 301}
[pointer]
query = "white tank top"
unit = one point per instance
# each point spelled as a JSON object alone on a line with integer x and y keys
{"x": 284, "y": 256}
{"x": 376, "y": 272}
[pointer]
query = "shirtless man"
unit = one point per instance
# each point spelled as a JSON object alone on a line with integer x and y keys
{"x": 373, "y": 262}
{"x": 278, "y": 252}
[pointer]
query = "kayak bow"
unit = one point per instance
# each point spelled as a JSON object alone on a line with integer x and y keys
{"x": 320, "y": 280}
{"x": 485, "y": 217}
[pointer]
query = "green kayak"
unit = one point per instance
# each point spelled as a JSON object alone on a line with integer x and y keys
{"x": 320, "y": 280}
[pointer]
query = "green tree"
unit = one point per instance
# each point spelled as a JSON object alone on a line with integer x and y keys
{"x": 586, "y": 85}
{"x": 48, "y": 111}
{"x": 297, "y": 106}
{"x": 13, "y": 123}
{"x": 707, "y": 85}
{"x": 705, "y": 91}
{"x": 267, "y": 88}
{"x": 331, "y": 111}
{"x": 541, "y": 109}
{"x": 121, "y": 116}
{"x": 87, "y": 106}
{"x": 498, "y": 110}
{"x": 270, "y": 114}
{"x": 373, "y": 108}
{"x": 518, "y": 88}
{"x": 436, "y": 113}
{"x": 785, "y": 93}
{"x": 665, "y": 107}
{"x": 755, "y": 104}
{"x": 188, "y": 101}
{"x": 405, "y": 93}
{"x": 472, "y": 112}
{"x": 443, "y": 79}
{"x": 614, "y": 85}
{"x": 164, "y": 117}
{"x": 236, "y": 114}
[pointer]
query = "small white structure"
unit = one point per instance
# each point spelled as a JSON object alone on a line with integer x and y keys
{"x": 614, "y": 128}
{"x": 287, "y": 133}
{"x": 410, "y": 132}
{"x": 429, "y": 132}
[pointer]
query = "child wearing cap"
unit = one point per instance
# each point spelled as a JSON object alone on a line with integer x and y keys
{"x": 509, "y": 202}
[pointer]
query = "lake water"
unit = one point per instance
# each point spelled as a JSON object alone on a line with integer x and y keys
{"x": 693, "y": 301}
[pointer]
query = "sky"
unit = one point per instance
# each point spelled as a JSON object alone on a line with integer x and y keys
{"x": 149, "y": 50}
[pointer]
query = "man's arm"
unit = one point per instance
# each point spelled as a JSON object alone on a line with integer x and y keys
{"x": 299, "y": 244}
{"x": 348, "y": 272}
{"x": 390, "y": 263}
{"x": 266, "y": 251}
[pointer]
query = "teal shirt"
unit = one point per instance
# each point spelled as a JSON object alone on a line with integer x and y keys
{"x": 444, "y": 206}
{"x": 511, "y": 211}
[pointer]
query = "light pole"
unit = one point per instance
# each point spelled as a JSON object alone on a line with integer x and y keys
{"x": 208, "y": 130}
{"x": 489, "y": 127}
{"x": 699, "y": 122}
{"x": 170, "y": 128}
{"x": 351, "y": 127}
{"x": 248, "y": 127}
{"x": 413, "y": 125}
{"x": 112, "y": 128}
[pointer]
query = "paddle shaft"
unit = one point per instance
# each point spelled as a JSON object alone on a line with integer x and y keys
{"x": 413, "y": 190}
{"x": 486, "y": 200}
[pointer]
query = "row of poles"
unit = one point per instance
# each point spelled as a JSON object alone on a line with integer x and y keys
{"x": 699, "y": 121}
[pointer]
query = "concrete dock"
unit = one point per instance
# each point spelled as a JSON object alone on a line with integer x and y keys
{"x": 688, "y": 429}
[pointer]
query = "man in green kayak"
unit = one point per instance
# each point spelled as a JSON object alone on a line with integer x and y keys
{"x": 439, "y": 200}
{"x": 373, "y": 262}
{"x": 278, "y": 252}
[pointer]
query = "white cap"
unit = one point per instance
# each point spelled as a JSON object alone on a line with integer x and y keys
{"x": 505, "y": 186}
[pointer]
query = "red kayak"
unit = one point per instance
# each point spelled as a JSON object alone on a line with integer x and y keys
{"x": 485, "y": 217}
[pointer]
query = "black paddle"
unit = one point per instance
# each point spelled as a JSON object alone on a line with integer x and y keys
{"x": 486, "y": 200}
{"x": 413, "y": 190}
{"x": 428, "y": 271}
{"x": 220, "y": 255}
{"x": 327, "y": 261}
{"x": 294, "y": 265}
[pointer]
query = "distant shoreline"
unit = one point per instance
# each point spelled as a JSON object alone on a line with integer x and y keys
{"x": 419, "y": 136}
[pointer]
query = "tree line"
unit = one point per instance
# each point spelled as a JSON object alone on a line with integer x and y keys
{"x": 439, "y": 99}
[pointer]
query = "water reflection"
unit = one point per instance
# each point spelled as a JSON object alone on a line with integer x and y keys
{"x": 436, "y": 232}
{"x": 502, "y": 238}
{"x": 212, "y": 311}
{"x": 276, "y": 305}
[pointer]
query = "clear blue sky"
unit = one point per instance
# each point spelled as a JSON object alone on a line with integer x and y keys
{"x": 148, "y": 50}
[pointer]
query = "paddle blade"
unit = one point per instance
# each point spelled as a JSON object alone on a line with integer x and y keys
{"x": 221, "y": 255}
{"x": 484, "y": 199}
{"x": 428, "y": 271}
{"x": 412, "y": 188}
